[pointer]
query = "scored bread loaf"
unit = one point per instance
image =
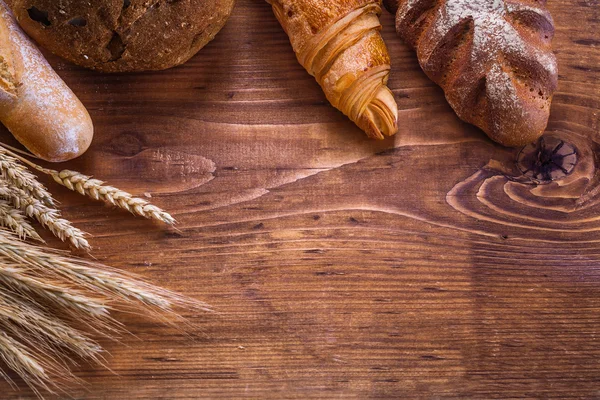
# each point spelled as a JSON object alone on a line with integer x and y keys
{"x": 123, "y": 35}
{"x": 493, "y": 58}
{"x": 36, "y": 106}
{"x": 338, "y": 42}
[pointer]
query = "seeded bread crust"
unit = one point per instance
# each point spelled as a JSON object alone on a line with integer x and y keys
{"x": 123, "y": 35}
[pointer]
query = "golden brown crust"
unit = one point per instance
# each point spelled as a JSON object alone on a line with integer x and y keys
{"x": 38, "y": 108}
{"x": 10, "y": 68}
{"x": 338, "y": 42}
{"x": 123, "y": 36}
{"x": 493, "y": 60}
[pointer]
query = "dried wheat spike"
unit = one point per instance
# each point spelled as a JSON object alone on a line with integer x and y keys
{"x": 48, "y": 217}
{"x": 25, "y": 282}
{"x": 90, "y": 277}
{"x": 34, "y": 325}
{"x": 36, "y": 280}
{"x": 13, "y": 171}
{"x": 94, "y": 188}
{"x": 34, "y": 371}
{"x": 14, "y": 220}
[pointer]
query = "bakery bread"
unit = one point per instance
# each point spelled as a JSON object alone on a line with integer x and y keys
{"x": 338, "y": 42}
{"x": 123, "y": 35}
{"x": 35, "y": 104}
{"x": 492, "y": 58}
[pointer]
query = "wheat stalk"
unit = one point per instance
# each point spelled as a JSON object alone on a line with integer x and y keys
{"x": 16, "y": 173}
{"x": 14, "y": 220}
{"x": 86, "y": 186}
{"x": 115, "y": 284}
{"x": 91, "y": 276}
{"x": 48, "y": 217}
{"x": 31, "y": 368}
{"x": 97, "y": 190}
{"x": 33, "y": 276}
{"x": 94, "y": 188}
{"x": 22, "y": 281}
{"x": 25, "y": 318}
{"x": 49, "y": 301}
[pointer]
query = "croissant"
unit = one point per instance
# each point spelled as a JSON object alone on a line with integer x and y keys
{"x": 339, "y": 43}
{"x": 493, "y": 58}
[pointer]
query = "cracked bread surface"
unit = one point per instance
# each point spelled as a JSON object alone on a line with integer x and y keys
{"x": 123, "y": 35}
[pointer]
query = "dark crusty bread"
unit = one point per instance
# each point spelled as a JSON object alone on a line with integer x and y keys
{"x": 123, "y": 35}
{"x": 493, "y": 58}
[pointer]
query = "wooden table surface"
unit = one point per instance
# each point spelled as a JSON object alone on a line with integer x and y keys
{"x": 424, "y": 266}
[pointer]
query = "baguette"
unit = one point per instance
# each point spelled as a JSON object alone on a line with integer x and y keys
{"x": 493, "y": 59}
{"x": 36, "y": 106}
{"x": 338, "y": 42}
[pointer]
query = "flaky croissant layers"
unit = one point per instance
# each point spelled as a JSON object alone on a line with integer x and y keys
{"x": 338, "y": 42}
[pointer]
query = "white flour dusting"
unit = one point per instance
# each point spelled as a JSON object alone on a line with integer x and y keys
{"x": 505, "y": 51}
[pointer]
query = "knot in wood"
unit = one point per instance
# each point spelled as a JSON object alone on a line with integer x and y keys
{"x": 547, "y": 160}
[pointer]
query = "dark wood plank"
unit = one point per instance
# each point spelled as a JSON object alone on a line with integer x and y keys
{"x": 424, "y": 266}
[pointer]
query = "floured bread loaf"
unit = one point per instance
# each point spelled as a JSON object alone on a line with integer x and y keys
{"x": 493, "y": 58}
{"x": 123, "y": 35}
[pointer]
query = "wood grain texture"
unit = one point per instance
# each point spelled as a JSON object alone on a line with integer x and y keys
{"x": 430, "y": 265}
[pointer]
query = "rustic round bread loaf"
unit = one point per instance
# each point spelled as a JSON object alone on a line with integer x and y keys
{"x": 123, "y": 35}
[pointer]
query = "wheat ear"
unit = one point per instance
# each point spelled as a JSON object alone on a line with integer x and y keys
{"x": 48, "y": 217}
{"x": 94, "y": 188}
{"x": 38, "y": 328}
{"x": 13, "y": 171}
{"x": 15, "y": 220}
{"x": 51, "y": 292}
{"x": 93, "y": 277}
{"x": 31, "y": 368}
{"x": 32, "y": 276}
{"x": 97, "y": 190}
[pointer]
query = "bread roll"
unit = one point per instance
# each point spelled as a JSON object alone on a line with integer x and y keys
{"x": 123, "y": 35}
{"x": 493, "y": 59}
{"x": 36, "y": 106}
